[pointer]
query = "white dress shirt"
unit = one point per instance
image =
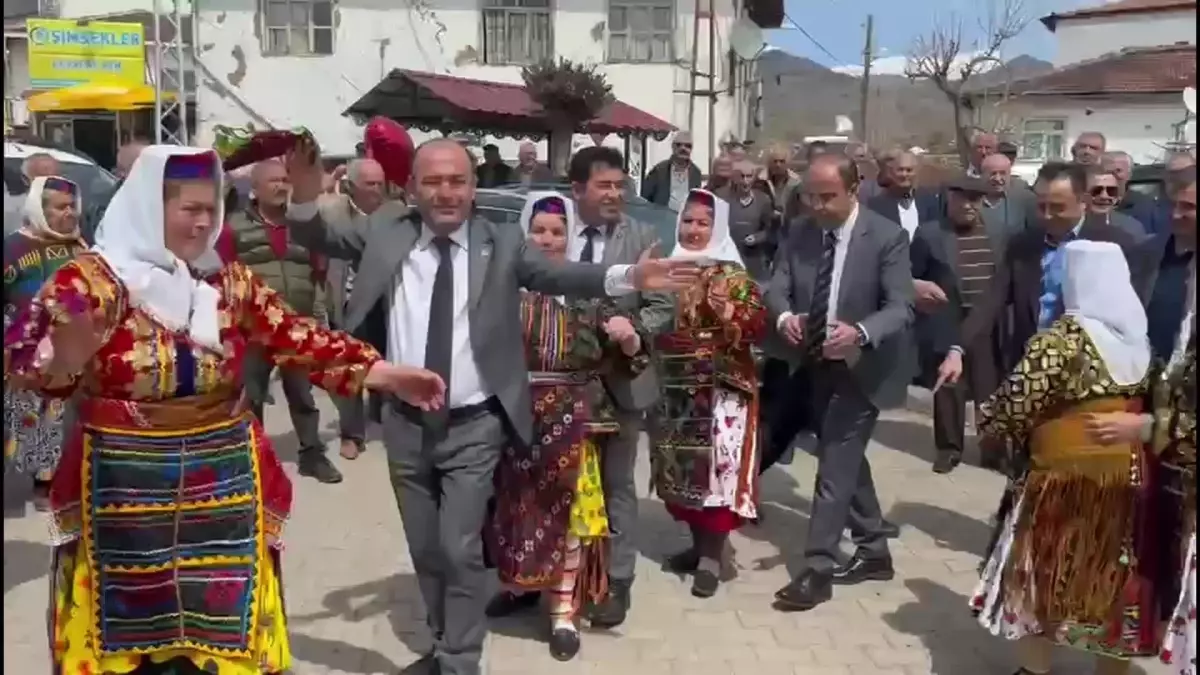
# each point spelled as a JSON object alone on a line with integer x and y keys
{"x": 909, "y": 218}
{"x": 408, "y": 321}
{"x": 839, "y": 265}
{"x": 579, "y": 240}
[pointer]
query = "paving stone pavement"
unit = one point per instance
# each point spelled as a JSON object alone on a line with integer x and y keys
{"x": 355, "y": 609}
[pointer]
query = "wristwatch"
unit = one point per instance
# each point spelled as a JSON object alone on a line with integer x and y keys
{"x": 862, "y": 336}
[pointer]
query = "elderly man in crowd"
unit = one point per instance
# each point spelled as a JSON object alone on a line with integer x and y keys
{"x": 1134, "y": 204}
{"x": 720, "y": 178}
{"x": 903, "y": 202}
{"x": 1104, "y": 193}
{"x": 781, "y": 184}
{"x": 751, "y": 219}
{"x": 1088, "y": 148}
{"x": 983, "y": 145}
{"x": 670, "y": 181}
{"x": 529, "y": 170}
{"x": 1007, "y": 208}
{"x": 350, "y": 212}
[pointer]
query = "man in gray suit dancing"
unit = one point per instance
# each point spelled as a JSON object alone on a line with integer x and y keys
{"x": 841, "y": 296}
{"x": 438, "y": 288}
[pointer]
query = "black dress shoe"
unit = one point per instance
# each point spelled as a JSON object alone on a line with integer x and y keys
{"x": 946, "y": 462}
{"x": 615, "y": 608}
{"x": 705, "y": 584}
{"x": 316, "y": 465}
{"x": 861, "y": 569}
{"x": 806, "y": 591}
{"x": 890, "y": 530}
{"x": 426, "y": 665}
{"x": 506, "y": 603}
{"x": 564, "y": 644}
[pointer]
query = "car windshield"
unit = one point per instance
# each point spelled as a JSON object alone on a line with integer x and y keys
{"x": 94, "y": 182}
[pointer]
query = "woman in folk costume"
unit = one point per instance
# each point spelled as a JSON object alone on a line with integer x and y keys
{"x": 705, "y": 454}
{"x": 48, "y": 239}
{"x": 1169, "y": 430}
{"x": 1065, "y": 567}
{"x": 549, "y": 530}
{"x": 168, "y": 500}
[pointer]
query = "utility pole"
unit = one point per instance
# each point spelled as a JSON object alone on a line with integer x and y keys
{"x": 865, "y": 103}
{"x": 712, "y": 82}
{"x": 695, "y": 63}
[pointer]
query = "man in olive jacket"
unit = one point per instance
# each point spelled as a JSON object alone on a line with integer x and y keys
{"x": 258, "y": 237}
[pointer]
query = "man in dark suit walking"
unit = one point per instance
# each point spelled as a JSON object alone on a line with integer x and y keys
{"x": 955, "y": 258}
{"x": 902, "y": 201}
{"x": 438, "y": 287}
{"x": 841, "y": 297}
{"x": 1028, "y": 280}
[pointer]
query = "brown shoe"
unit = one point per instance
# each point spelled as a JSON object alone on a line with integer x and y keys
{"x": 351, "y": 449}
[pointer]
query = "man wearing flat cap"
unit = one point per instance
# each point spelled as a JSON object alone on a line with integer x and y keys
{"x": 953, "y": 261}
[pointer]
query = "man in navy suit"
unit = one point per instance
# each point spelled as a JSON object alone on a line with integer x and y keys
{"x": 901, "y": 201}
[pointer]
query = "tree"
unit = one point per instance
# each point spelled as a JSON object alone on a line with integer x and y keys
{"x": 571, "y": 94}
{"x": 945, "y": 58}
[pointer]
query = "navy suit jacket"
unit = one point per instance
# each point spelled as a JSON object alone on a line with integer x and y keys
{"x": 928, "y": 202}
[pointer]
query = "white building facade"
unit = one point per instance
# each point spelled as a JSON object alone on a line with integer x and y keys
{"x": 289, "y": 63}
{"x": 1121, "y": 68}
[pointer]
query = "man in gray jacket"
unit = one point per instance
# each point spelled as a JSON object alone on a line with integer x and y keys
{"x": 344, "y": 213}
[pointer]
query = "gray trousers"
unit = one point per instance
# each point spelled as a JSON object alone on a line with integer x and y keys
{"x": 618, "y": 463}
{"x": 352, "y": 417}
{"x": 442, "y": 488}
{"x": 845, "y": 491}
{"x": 306, "y": 418}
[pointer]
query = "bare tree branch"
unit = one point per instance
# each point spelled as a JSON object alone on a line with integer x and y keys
{"x": 944, "y": 58}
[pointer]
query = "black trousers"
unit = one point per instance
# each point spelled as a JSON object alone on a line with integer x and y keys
{"x": 786, "y": 409}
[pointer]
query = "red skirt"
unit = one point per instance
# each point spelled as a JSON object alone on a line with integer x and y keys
{"x": 718, "y": 520}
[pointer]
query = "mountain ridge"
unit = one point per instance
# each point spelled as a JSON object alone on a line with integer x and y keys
{"x": 801, "y": 97}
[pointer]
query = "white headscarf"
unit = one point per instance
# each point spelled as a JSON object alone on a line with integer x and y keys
{"x": 131, "y": 240}
{"x": 1098, "y": 293}
{"x": 34, "y": 213}
{"x": 535, "y": 197}
{"x": 721, "y": 246}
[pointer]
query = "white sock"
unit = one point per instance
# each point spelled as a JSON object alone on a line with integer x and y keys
{"x": 710, "y": 565}
{"x": 563, "y": 623}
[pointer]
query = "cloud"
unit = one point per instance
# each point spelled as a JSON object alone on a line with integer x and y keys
{"x": 894, "y": 65}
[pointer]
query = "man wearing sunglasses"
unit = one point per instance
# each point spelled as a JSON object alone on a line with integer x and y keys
{"x": 1104, "y": 194}
{"x": 670, "y": 181}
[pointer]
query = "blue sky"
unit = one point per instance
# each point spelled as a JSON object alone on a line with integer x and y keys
{"x": 838, "y": 26}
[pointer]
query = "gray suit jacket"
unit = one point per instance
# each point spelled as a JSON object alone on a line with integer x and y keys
{"x": 876, "y": 292}
{"x": 626, "y": 243}
{"x": 339, "y": 213}
{"x": 500, "y": 265}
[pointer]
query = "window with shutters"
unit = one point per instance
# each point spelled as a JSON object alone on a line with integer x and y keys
{"x": 517, "y": 32}
{"x": 296, "y": 27}
{"x": 641, "y": 31}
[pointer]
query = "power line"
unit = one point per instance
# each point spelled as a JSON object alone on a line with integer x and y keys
{"x": 813, "y": 40}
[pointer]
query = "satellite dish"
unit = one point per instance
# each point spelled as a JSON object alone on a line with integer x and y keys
{"x": 1189, "y": 99}
{"x": 843, "y": 125}
{"x": 746, "y": 39}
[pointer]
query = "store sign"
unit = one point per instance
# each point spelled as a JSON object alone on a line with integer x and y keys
{"x": 65, "y": 52}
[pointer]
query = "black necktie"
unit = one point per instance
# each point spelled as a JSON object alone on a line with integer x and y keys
{"x": 818, "y": 311}
{"x": 440, "y": 338}
{"x": 588, "y": 255}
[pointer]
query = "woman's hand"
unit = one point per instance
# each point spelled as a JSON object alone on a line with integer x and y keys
{"x": 69, "y": 347}
{"x": 718, "y": 300}
{"x": 417, "y": 387}
{"x": 1115, "y": 428}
